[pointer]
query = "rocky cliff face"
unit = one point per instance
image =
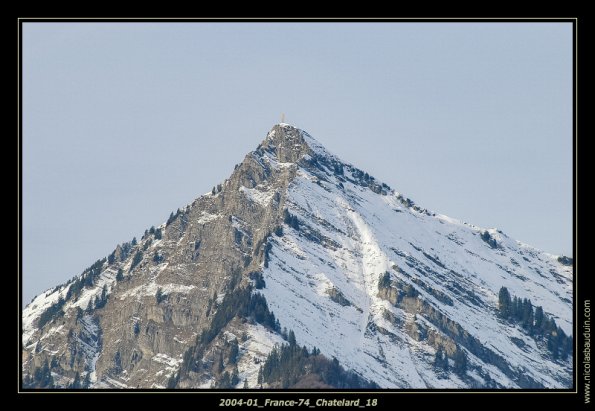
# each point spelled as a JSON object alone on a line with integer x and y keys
{"x": 344, "y": 263}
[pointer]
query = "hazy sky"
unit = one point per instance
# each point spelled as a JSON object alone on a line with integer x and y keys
{"x": 123, "y": 123}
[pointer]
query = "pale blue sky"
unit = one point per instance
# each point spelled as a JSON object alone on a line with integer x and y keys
{"x": 123, "y": 123}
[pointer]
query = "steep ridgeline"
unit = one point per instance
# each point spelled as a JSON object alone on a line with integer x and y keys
{"x": 301, "y": 270}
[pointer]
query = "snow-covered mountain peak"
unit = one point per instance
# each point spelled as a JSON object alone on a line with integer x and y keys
{"x": 290, "y": 144}
{"x": 300, "y": 247}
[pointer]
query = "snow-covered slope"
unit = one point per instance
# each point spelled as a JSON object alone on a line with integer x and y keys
{"x": 354, "y": 268}
{"x": 360, "y": 235}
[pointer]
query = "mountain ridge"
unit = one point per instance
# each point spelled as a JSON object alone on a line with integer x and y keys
{"x": 321, "y": 235}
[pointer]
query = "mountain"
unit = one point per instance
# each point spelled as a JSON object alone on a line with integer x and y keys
{"x": 303, "y": 271}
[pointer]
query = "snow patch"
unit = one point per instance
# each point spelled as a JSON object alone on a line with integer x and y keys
{"x": 258, "y": 196}
{"x": 207, "y": 217}
{"x": 150, "y": 289}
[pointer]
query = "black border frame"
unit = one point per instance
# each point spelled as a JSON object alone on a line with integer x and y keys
{"x": 579, "y": 294}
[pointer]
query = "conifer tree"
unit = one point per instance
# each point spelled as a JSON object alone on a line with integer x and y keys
{"x": 504, "y": 303}
{"x": 440, "y": 359}
{"x": 260, "y": 377}
{"x": 291, "y": 338}
{"x": 76, "y": 383}
{"x": 538, "y": 318}
{"x": 460, "y": 362}
{"x": 219, "y": 366}
{"x": 233, "y": 352}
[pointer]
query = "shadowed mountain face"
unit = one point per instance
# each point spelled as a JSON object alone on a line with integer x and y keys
{"x": 301, "y": 270}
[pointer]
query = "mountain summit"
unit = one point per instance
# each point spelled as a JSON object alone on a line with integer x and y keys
{"x": 303, "y": 271}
